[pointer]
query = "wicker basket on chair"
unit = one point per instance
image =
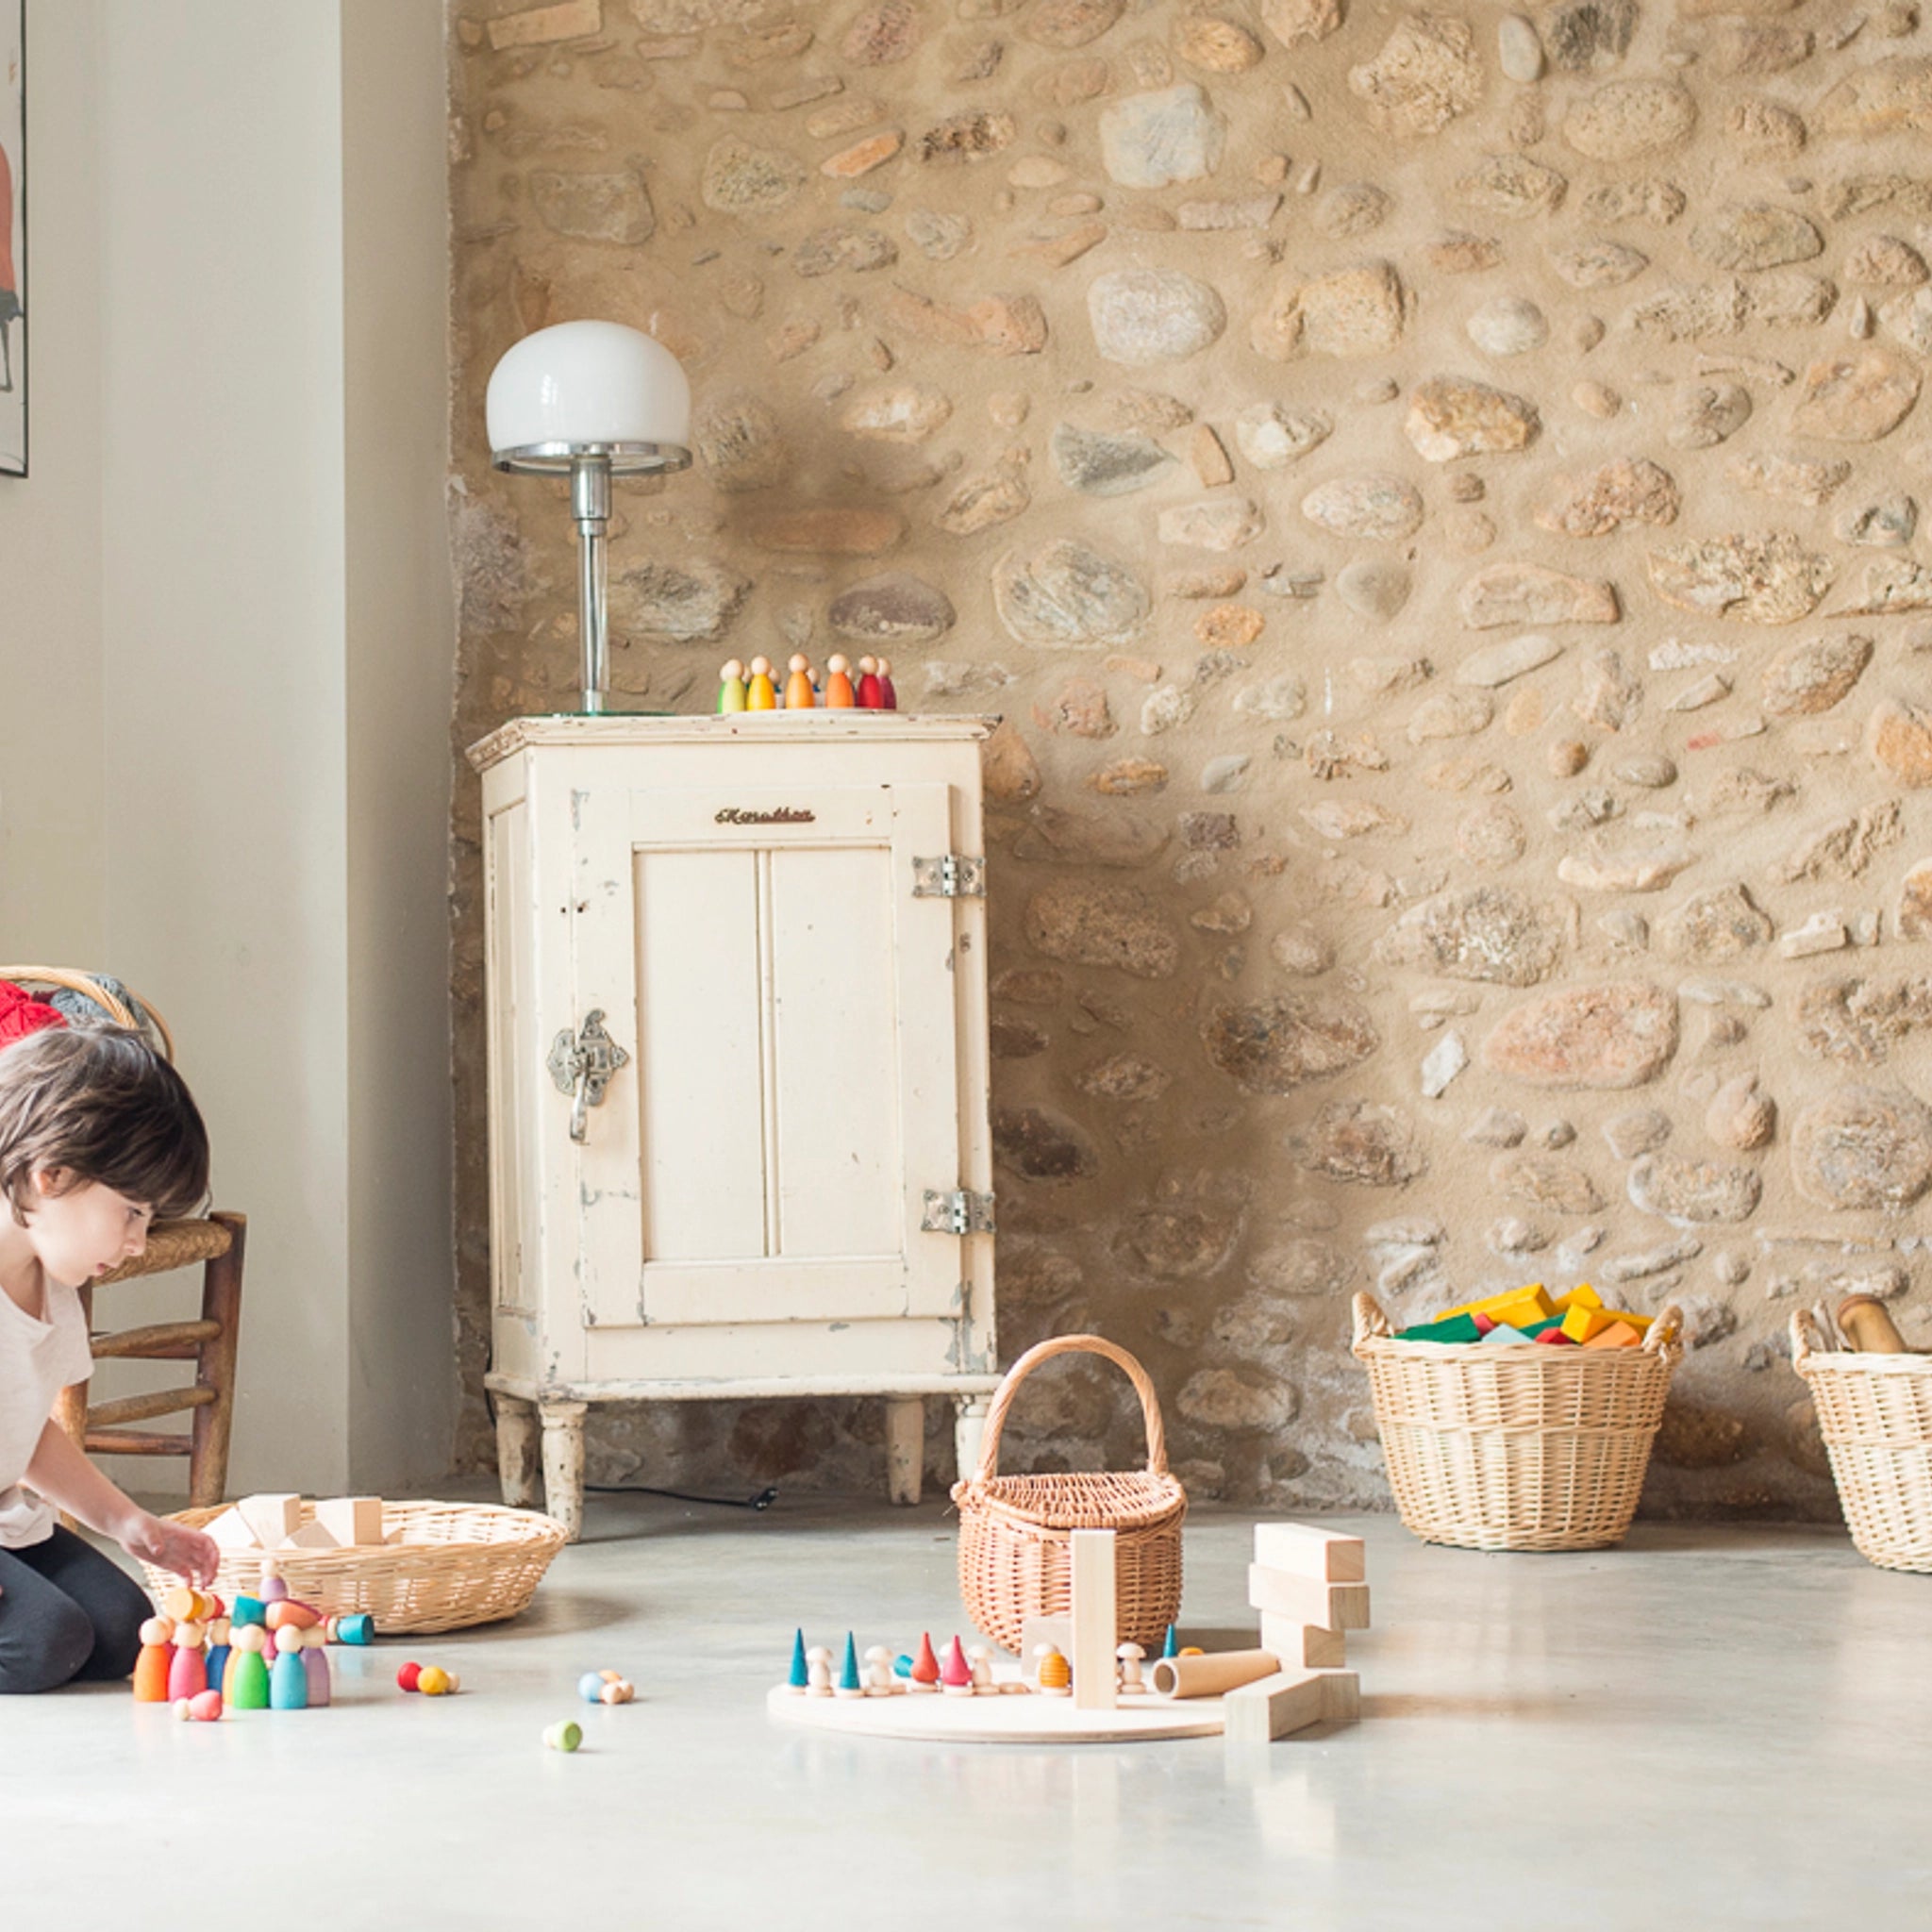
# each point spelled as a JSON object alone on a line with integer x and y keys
{"x": 1516, "y": 1448}
{"x": 1874, "y": 1412}
{"x": 1015, "y": 1531}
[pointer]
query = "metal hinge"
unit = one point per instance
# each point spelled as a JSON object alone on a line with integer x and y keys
{"x": 951, "y": 875}
{"x": 961, "y": 1211}
{"x": 582, "y": 1064}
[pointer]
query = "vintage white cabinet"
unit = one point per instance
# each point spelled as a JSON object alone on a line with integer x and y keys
{"x": 738, "y": 1070}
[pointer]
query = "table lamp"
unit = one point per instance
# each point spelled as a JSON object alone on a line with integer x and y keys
{"x": 589, "y": 400}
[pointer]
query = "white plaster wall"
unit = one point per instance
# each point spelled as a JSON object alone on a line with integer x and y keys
{"x": 50, "y": 536}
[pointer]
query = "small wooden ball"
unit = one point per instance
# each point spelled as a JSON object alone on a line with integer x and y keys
{"x": 409, "y": 1678}
{"x": 433, "y": 1681}
{"x": 591, "y": 1686}
{"x": 618, "y": 1692}
{"x": 206, "y": 1707}
{"x": 183, "y": 1708}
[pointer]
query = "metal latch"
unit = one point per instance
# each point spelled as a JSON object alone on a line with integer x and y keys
{"x": 961, "y": 1211}
{"x": 583, "y": 1064}
{"x": 951, "y": 875}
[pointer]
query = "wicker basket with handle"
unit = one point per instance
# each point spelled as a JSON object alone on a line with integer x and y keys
{"x": 1874, "y": 1412}
{"x": 131, "y": 1012}
{"x": 457, "y": 1564}
{"x": 1015, "y": 1530}
{"x": 1516, "y": 1448}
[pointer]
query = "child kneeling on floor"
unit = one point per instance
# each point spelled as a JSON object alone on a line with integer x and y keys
{"x": 98, "y": 1136}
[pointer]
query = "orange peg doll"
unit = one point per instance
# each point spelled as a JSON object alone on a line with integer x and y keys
{"x": 839, "y": 695}
{"x": 799, "y": 694}
{"x": 151, "y": 1668}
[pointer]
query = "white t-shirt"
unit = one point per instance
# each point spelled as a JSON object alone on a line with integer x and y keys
{"x": 38, "y": 1359}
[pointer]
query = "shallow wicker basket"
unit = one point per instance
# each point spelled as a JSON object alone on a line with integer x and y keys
{"x": 462, "y": 1563}
{"x": 1874, "y": 1412}
{"x": 1516, "y": 1448}
{"x": 1015, "y": 1531}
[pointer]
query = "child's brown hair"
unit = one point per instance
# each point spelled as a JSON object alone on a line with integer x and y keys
{"x": 99, "y": 1104}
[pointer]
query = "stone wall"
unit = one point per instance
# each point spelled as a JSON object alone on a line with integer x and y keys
{"x": 1432, "y": 495}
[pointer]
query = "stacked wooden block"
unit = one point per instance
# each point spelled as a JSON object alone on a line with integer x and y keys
{"x": 1311, "y": 1589}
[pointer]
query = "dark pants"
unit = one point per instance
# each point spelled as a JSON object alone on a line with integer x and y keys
{"x": 66, "y": 1613}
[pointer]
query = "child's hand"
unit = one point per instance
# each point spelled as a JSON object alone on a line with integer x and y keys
{"x": 175, "y": 1547}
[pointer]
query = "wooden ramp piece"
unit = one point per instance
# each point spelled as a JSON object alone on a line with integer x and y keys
{"x": 1291, "y": 1701}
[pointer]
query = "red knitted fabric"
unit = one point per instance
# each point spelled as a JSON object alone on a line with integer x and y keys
{"x": 22, "y": 1014}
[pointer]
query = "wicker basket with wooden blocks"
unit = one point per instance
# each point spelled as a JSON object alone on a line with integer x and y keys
{"x": 1015, "y": 1531}
{"x": 441, "y": 1566}
{"x": 1516, "y": 1447}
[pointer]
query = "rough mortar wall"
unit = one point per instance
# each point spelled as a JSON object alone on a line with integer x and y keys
{"x": 1433, "y": 497}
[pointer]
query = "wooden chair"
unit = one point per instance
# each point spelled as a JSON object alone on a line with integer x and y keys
{"x": 217, "y": 1242}
{"x": 210, "y": 1343}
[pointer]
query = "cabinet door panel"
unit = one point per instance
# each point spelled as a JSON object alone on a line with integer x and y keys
{"x": 835, "y": 1075}
{"x": 701, "y": 1126}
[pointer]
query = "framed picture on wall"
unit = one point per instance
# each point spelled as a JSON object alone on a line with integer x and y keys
{"x": 12, "y": 238}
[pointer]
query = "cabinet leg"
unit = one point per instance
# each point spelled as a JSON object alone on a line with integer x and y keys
{"x": 563, "y": 1463}
{"x": 905, "y": 1447}
{"x": 967, "y": 1432}
{"x": 516, "y": 1451}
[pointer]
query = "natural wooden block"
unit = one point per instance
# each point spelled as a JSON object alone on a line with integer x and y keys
{"x": 1095, "y": 1614}
{"x": 272, "y": 1519}
{"x": 232, "y": 1530}
{"x": 1277, "y": 1707}
{"x": 1329, "y": 1605}
{"x": 1302, "y": 1550}
{"x": 352, "y": 1520}
{"x": 1303, "y": 1647}
{"x": 313, "y": 1535}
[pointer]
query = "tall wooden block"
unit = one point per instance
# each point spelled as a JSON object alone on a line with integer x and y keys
{"x": 1328, "y": 1606}
{"x": 1302, "y": 1550}
{"x": 1094, "y": 1625}
{"x": 274, "y": 1519}
{"x": 352, "y": 1520}
{"x": 1303, "y": 1647}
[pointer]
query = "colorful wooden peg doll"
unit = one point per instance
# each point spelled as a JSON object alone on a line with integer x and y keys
{"x": 799, "y": 694}
{"x": 956, "y": 1677}
{"x": 247, "y": 1686}
{"x": 616, "y": 1690}
{"x": 980, "y": 1661}
{"x": 818, "y": 1669}
{"x": 273, "y": 1588}
{"x": 565, "y": 1735}
{"x": 1129, "y": 1656}
{"x": 358, "y": 1629}
{"x": 188, "y": 1671}
{"x": 218, "y": 1634}
{"x": 889, "y": 698}
{"x": 870, "y": 693}
{"x": 878, "y": 1672}
{"x": 850, "y": 1683}
{"x": 838, "y": 694}
{"x": 798, "y": 1680}
{"x": 760, "y": 693}
{"x": 731, "y": 692}
{"x": 315, "y": 1667}
{"x": 207, "y": 1709}
{"x": 288, "y": 1682}
{"x": 153, "y": 1667}
{"x": 926, "y": 1666}
{"x": 1172, "y": 1647}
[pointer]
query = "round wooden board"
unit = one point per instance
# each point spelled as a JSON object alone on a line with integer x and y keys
{"x": 935, "y": 1718}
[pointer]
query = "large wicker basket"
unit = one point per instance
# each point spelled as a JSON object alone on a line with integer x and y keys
{"x": 460, "y": 1563}
{"x": 1516, "y": 1448}
{"x": 1015, "y": 1531}
{"x": 1874, "y": 1412}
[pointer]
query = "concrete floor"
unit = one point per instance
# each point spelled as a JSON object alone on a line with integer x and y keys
{"x": 1708, "y": 1728}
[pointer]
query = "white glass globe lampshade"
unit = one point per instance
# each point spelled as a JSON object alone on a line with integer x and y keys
{"x": 584, "y": 388}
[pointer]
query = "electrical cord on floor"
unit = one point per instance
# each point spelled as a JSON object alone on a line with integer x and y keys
{"x": 763, "y": 1500}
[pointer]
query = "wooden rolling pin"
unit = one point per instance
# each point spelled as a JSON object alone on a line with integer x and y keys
{"x": 1869, "y": 1328}
{"x": 1209, "y": 1676}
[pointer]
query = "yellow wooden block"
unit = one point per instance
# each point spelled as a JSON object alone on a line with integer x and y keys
{"x": 1639, "y": 1323}
{"x": 1579, "y": 1324}
{"x": 1581, "y": 1296}
{"x": 1516, "y": 1305}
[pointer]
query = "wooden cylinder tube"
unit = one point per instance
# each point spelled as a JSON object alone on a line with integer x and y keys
{"x": 1209, "y": 1676}
{"x": 1868, "y": 1328}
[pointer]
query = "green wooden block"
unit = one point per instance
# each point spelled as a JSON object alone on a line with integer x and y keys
{"x": 1536, "y": 1329}
{"x": 1456, "y": 1328}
